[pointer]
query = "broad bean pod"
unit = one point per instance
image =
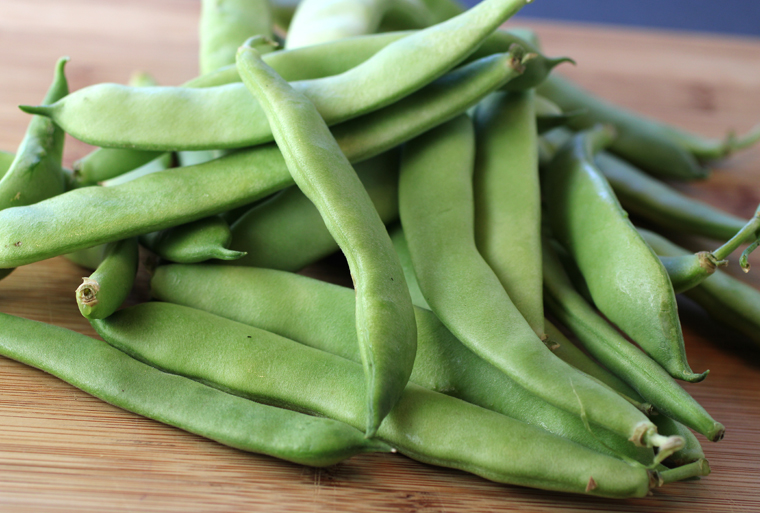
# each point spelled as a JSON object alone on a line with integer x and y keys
{"x": 626, "y": 280}
{"x": 645, "y": 143}
{"x": 384, "y": 315}
{"x": 727, "y": 300}
{"x": 225, "y": 24}
{"x": 321, "y": 21}
{"x": 322, "y": 315}
{"x": 436, "y": 210}
{"x": 104, "y": 291}
{"x": 110, "y": 375}
{"x": 36, "y": 173}
{"x": 287, "y": 232}
{"x": 228, "y": 117}
{"x": 280, "y": 371}
{"x": 614, "y": 352}
{"x": 507, "y": 197}
{"x": 177, "y": 196}
{"x": 197, "y": 241}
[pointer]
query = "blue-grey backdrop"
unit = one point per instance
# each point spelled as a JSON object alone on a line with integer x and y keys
{"x": 741, "y": 17}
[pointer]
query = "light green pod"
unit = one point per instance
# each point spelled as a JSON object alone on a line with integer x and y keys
{"x": 507, "y": 198}
{"x": 436, "y": 209}
{"x": 645, "y": 143}
{"x": 280, "y": 371}
{"x": 110, "y": 375}
{"x": 727, "y": 300}
{"x": 321, "y": 21}
{"x": 384, "y": 315}
{"x": 630, "y": 364}
{"x": 664, "y": 206}
{"x": 35, "y": 173}
{"x": 89, "y": 258}
{"x": 162, "y": 163}
{"x": 692, "y": 449}
{"x": 227, "y": 117}
{"x": 205, "y": 239}
{"x": 181, "y": 195}
{"x": 402, "y": 250}
{"x": 287, "y": 232}
{"x": 626, "y": 280}
{"x": 322, "y": 315}
{"x": 225, "y": 25}
{"x": 105, "y": 290}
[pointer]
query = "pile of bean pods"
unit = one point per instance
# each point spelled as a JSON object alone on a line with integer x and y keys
{"x": 512, "y": 187}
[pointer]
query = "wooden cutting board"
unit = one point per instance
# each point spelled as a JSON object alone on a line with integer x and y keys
{"x": 62, "y": 450}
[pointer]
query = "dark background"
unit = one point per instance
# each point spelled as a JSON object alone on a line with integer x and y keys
{"x": 738, "y": 17}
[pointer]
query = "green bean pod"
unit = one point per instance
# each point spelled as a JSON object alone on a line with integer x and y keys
{"x": 663, "y": 206}
{"x": 626, "y": 280}
{"x": 197, "y": 241}
{"x": 180, "y": 195}
{"x": 162, "y": 163}
{"x": 225, "y": 24}
{"x": 287, "y": 232}
{"x": 104, "y": 291}
{"x": 507, "y": 197}
{"x": 549, "y": 115}
{"x": 384, "y": 315}
{"x": 322, "y": 315}
{"x": 110, "y": 375}
{"x": 279, "y": 371}
{"x": 690, "y": 452}
{"x": 614, "y": 352}
{"x": 727, "y": 300}
{"x": 643, "y": 142}
{"x": 35, "y": 173}
{"x": 320, "y": 21}
{"x": 89, "y": 258}
{"x": 227, "y": 117}
{"x": 436, "y": 209}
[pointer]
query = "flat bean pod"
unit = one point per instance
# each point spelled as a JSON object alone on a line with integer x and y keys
{"x": 228, "y": 117}
{"x": 105, "y": 290}
{"x": 436, "y": 209}
{"x": 727, "y": 300}
{"x": 507, "y": 197}
{"x": 280, "y": 371}
{"x": 617, "y": 354}
{"x": 644, "y": 143}
{"x": 384, "y": 315}
{"x": 110, "y": 375}
{"x": 626, "y": 280}
{"x": 197, "y": 241}
{"x": 322, "y": 315}
{"x": 225, "y": 24}
{"x": 287, "y": 232}
{"x": 177, "y": 196}
{"x": 321, "y": 21}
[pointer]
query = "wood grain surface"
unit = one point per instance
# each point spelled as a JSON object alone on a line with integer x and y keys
{"x": 62, "y": 450}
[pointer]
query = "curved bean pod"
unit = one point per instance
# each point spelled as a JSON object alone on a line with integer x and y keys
{"x": 280, "y": 371}
{"x": 384, "y": 315}
{"x": 228, "y": 117}
{"x": 322, "y": 315}
{"x": 626, "y": 280}
{"x": 6, "y": 159}
{"x": 643, "y": 142}
{"x": 726, "y": 299}
{"x": 110, "y": 375}
{"x": 105, "y": 290}
{"x": 181, "y": 195}
{"x": 436, "y": 209}
{"x": 225, "y": 24}
{"x": 287, "y": 232}
{"x": 507, "y": 197}
{"x": 690, "y": 452}
{"x": 36, "y": 174}
{"x": 617, "y": 354}
{"x": 198, "y": 241}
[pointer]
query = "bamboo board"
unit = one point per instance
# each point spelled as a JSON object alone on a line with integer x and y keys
{"x": 62, "y": 450}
